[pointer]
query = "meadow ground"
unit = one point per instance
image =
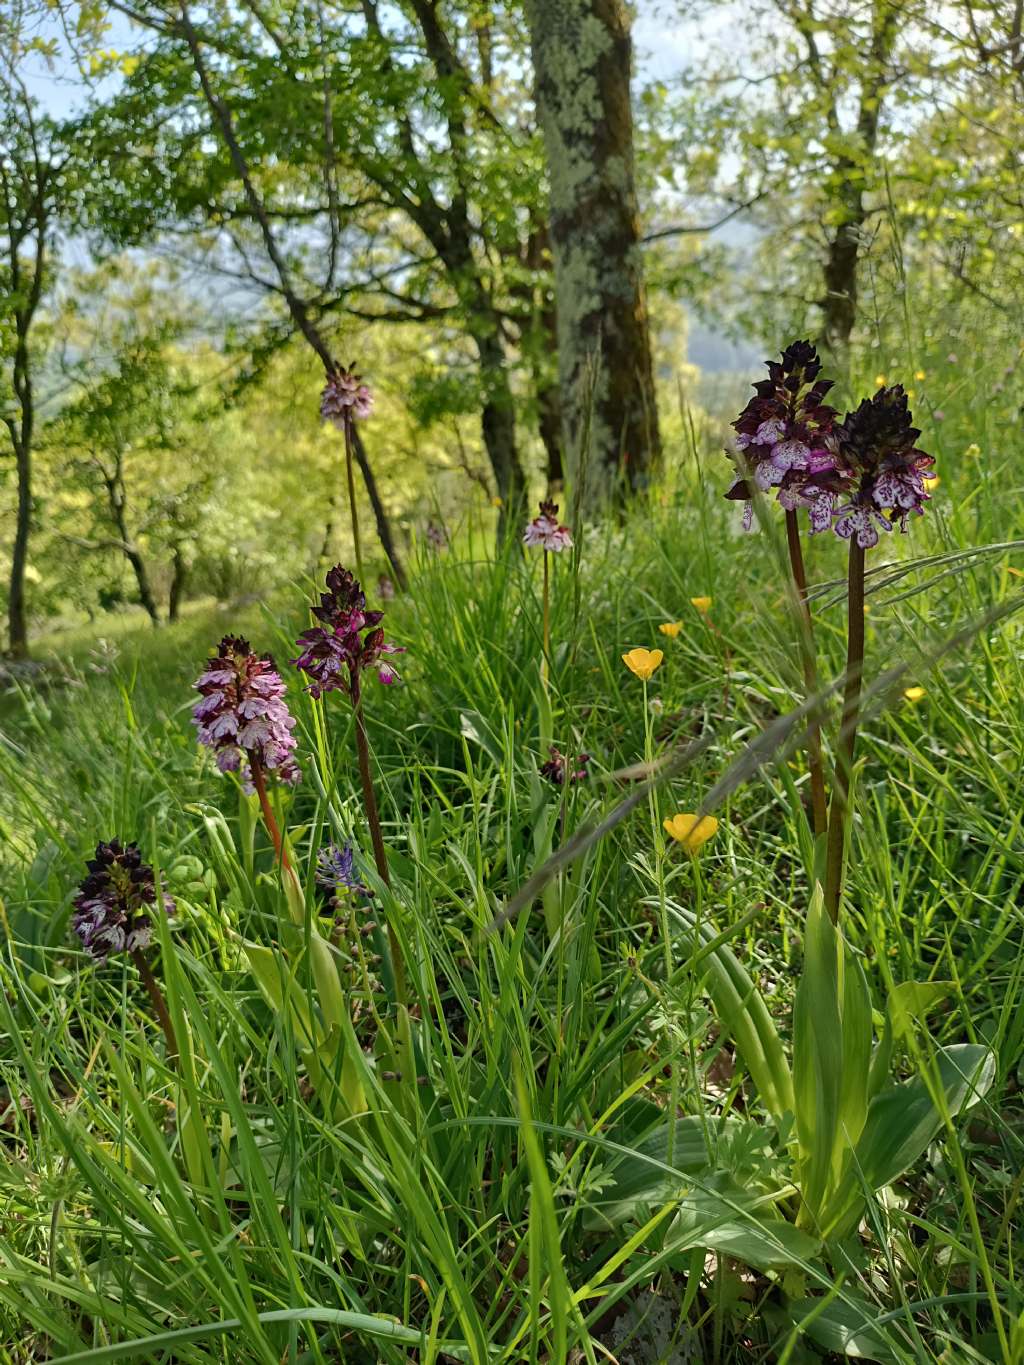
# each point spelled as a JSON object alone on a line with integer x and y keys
{"x": 521, "y": 1197}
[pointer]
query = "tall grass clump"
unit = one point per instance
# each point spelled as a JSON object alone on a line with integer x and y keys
{"x": 568, "y": 997}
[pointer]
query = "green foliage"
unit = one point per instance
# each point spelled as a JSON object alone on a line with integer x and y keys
{"x": 483, "y": 1219}
{"x": 671, "y": 1077}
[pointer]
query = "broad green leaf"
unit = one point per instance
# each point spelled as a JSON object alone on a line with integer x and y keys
{"x": 848, "y": 1328}
{"x": 724, "y": 1216}
{"x": 545, "y": 1244}
{"x": 278, "y": 989}
{"x": 319, "y": 1044}
{"x": 745, "y": 1017}
{"x": 642, "y": 1178}
{"x": 763, "y": 1243}
{"x": 382, "y": 1328}
{"x": 911, "y": 1001}
{"x": 901, "y": 1122}
{"x": 831, "y": 1058}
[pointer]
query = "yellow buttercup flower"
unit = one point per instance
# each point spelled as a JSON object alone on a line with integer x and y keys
{"x": 919, "y": 374}
{"x": 692, "y": 833}
{"x": 643, "y": 662}
{"x": 671, "y": 628}
{"x": 913, "y": 693}
{"x": 932, "y": 481}
{"x": 497, "y": 502}
{"x": 879, "y": 381}
{"x": 703, "y": 604}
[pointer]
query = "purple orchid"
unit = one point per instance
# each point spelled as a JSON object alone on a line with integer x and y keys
{"x": 877, "y": 444}
{"x": 242, "y": 714}
{"x": 344, "y": 396}
{"x": 114, "y": 900}
{"x": 785, "y": 439}
{"x": 546, "y": 532}
{"x": 559, "y": 769}
{"x": 334, "y": 654}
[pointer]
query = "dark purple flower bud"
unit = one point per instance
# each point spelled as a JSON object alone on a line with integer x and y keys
{"x": 335, "y": 653}
{"x": 242, "y": 714}
{"x": 559, "y": 769}
{"x": 335, "y": 870}
{"x": 785, "y": 439}
{"x": 113, "y": 902}
{"x": 877, "y": 443}
{"x": 345, "y": 395}
{"x": 546, "y": 532}
{"x": 436, "y": 536}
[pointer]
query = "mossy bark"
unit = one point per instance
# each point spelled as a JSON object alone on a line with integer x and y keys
{"x": 582, "y": 56}
{"x": 848, "y": 183}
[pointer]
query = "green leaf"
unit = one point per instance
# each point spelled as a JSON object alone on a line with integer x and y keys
{"x": 474, "y": 727}
{"x": 545, "y": 1243}
{"x": 911, "y": 1001}
{"x": 761, "y": 1242}
{"x": 902, "y": 1121}
{"x": 642, "y": 1177}
{"x": 380, "y": 1328}
{"x": 744, "y": 1015}
{"x": 831, "y": 1057}
{"x": 846, "y": 1327}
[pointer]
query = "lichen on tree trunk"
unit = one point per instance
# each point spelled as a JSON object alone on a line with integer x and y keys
{"x": 582, "y": 55}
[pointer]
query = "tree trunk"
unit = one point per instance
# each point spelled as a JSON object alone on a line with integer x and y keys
{"x": 498, "y": 421}
{"x": 17, "y": 626}
{"x": 549, "y": 425}
{"x": 116, "y": 500}
{"x": 179, "y": 576}
{"x": 839, "y": 306}
{"x": 542, "y": 350}
{"x": 497, "y": 417}
{"x": 582, "y": 58}
{"x": 387, "y": 540}
{"x": 21, "y": 430}
{"x": 146, "y": 598}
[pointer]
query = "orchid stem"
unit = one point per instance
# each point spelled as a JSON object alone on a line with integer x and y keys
{"x": 547, "y": 616}
{"x": 269, "y": 819}
{"x": 380, "y": 856}
{"x": 839, "y": 813}
{"x": 815, "y": 765}
{"x": 350, "y": 476}
{"x": 156, "y": 995}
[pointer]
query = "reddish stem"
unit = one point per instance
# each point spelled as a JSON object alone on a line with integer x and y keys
{"x": 380, "y": 856}
{"x": 839, "y": 814}
{"x": 269, "y": 819}
{"x": 159, "y": 1003}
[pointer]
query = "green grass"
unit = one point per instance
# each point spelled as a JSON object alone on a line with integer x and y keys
{"x": 231, "y": 1211}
